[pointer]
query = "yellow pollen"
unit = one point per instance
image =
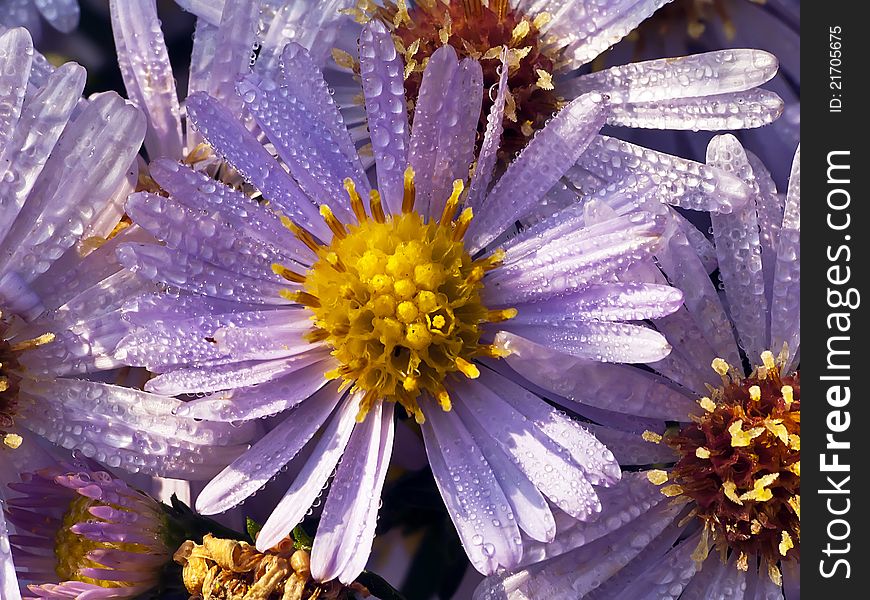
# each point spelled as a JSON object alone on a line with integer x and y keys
{"x": 520, "y": 31}
{"x": 787, "y": 394}
{"x": 786, "y": 544}
{"x": 730, "y": 490}
{"x": 344, "y": 59}
{"x": 651, "y": 436}
{"x": 794, "y": 441}
{"x": 541, "y": 20}
{"x": 397, "y": 300}
{"x": 720, "y": 366}
{"x": 776, "y": 427}
{"x": 795, "y": 468}
{"x": 702, "y": 452}
{"x": 740, "y": 438}
{"x": 774, "y": 573}
{"x": 760, "y": 491}
{"x": 755, "y": 393}
{"x": 4, "y": 383}
{"x": 707, "y": 404}
{"x": 545, "y": 80}
{"x": 795, "y": 503}
{"x": 657, "y": 476}
{"x": 672, "y": 490}
{"x": 13, "y": 440}
{"x": 743, "y": 562}
{"x": 767, "y": 360}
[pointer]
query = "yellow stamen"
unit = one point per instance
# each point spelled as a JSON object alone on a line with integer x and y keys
{"x": 466, "y": 368}
{"x": 336, "y": 226}
{"x": 767, "y": 360}
{"x": 730, "y": 489}
{"x": 672, "y": 490}
{"x": 743, "y": 562}
{"x": 760, "y": 491}
{"x": 786, "y": 544}
{"x": 702, "y": 452}
{"x": 452, "y": 203}
{"x": 795, "y": 503}
{"x": 287, "y": 274}
{"x": 707, "y": 404}
{"x": 301, "y": 233}
{"x": 498, "y": 316}
{"x": 45, "y": 338}
{"x": 410, "y": 191}
{"x": 377, "y": 207}
{"x": 541, "y": 20}
{"x": 344, "y": 59}
{"x": 755, "y": 393}
{"x": 462, "y": 224}
{"x": 787, "y": 394}
{"x": 740, "y": 438}
{"x": 720, "y": 366}
{"x": 356, "y": 202}
{"x": 545, "y": 80}
{"x": 520, "y": 31}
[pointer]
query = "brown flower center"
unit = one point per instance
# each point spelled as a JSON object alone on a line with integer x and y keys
{"x": 8, "y": 389}
{"x": 479, "y": 32}
{"x": 740, "y": 463}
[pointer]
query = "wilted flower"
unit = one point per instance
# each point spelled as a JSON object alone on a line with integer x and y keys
{"x": 727, "y": 437}
{"x": 315, "y": 301}
{"x": 86, "y": 534}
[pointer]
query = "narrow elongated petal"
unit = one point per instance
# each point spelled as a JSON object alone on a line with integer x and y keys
{"x": 259, "y": 464}
{"x": 785, "y": 322}
{"x": 738, "y": 249}
{"x": 553, "y": 150}
{"x": 382, "y": 75}
{"x": 16, "y": 56}
{"x": 309, "y": 484}
{"x": 486, "y": 158}
{"x": 347, "y": 525}
{"x": 144, "y": 63}
{"x": 490, "y": 536}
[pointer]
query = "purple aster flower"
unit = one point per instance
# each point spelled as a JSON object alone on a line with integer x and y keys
{"x": 65, "y": 171}
{"x": 549, "y": 42}
{"x": 728, "y": 435}
{"x": 85, "y": 534}
{"x": 222, "y": 51}
{"x": 691, "y": 26}
{"x": 332, "y": 301}
{"x": 63, "y": 15}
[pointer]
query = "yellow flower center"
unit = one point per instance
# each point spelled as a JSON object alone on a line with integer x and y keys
{"x": 397, "y": 298}
{"x": 72, "y": 549}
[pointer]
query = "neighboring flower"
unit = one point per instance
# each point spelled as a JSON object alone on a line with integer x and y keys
{"x": 63, "y": 15}
{"x": 228, "y": 568}
{"x": 222, "y": 51}
{"x": 691, "y": 26}
{"x": 65, "y": 164}
{"x": 729, "y": 436}
{"x": 86, "y": 534}
{"x": 548, "y": 42}
{"x": 334, "y": 302}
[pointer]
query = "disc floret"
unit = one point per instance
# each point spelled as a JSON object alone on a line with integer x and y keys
{"x": 397, "y": 299}
{"x": 739, "y": 462}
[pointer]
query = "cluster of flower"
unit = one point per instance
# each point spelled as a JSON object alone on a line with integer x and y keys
{"x": 364, "y": 204}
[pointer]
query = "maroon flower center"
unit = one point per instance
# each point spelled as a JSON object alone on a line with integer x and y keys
{"x": 740, "y": 463}
{"x": 480, "y": 32}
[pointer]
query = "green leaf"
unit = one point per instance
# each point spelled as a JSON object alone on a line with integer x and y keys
{"x": 379, "y": 586}
{"x": 301, "y": 539}
{"x": 253, "y": 529}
